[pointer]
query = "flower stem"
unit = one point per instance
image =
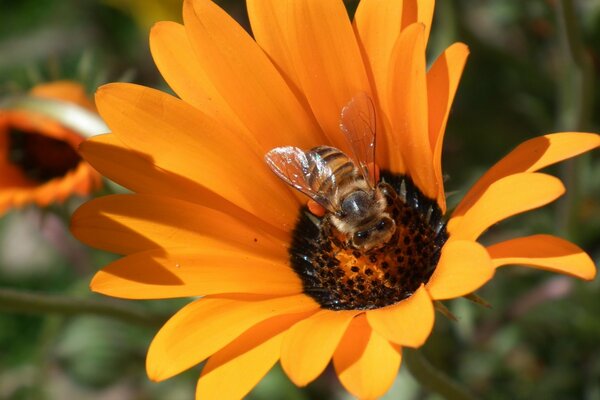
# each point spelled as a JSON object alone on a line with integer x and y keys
{"x": 37, "y": 303}
{"x": 576, "y": 100}
{"x": 432, "y": 378}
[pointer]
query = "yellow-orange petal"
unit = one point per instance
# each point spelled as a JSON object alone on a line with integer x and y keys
{"x": 326, "y": 59}
{"x": 506, "y": 197}
{"x": 194, "y": 146}
{"x": 136, "y": 171}
{"x": 442, "y": 82}
{"x": 425, "y": 15}
{"x": 407, "y": 323}
{"x": 267, "y": 19}
{"x": 205, "y": 326}
{"x": 464, "y": 267}
{"x": 530, "y": 156}
{"x": 247, "y": 79}
{"x": 176, "y": 60}
{"x": 309, "y": 345}
{"x": 365, "y": 362}
{"x": 126, "y": 224}
{"x": 545, "y": 252}
{"x": 377, "y": 25}
{"x": 407, "y": 98}
{"x": 166, "y": 273}
{"x": 234, "y": 370}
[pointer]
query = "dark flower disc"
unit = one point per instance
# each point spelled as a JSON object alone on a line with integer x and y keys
{"x": 40, "y": 158}
{"x": 341, "y": 277}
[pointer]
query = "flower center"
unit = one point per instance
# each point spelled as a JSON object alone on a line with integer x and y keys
{"x": 40, "y": 158}
{"x": 341, "y": 277}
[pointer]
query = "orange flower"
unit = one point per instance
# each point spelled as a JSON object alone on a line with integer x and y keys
{"x": 39, "y": 162}
{"x": 277, "y": 283}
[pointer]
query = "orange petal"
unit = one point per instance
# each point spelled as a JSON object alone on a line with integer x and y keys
{"x": 127, "y": 224}
{"x": 530, "y": 156}
{"x": 425, "y": 15}
{"x": 157, "y": 274}
{"x": 506, "y": 197}
{"x": 246, "y": 78}
{"x": 196, "y": 147}
{"x": 545, "y": 252}
{"x": 407, "y": 323}
{"x": 136, "y": 171}
{"x": 317, "y": 38}
{"x": 407, "y": 98}
{"x": 177, "y": 63}
{"x": 442, "y": 82}
{"x": 69, "y": 91}
{"x": 267, "y": 19}
{"x": 365, "y": 362}
{"x": 309, "y": 345}
{"x": 205, "y": 326}
{"x": 245, "y": 361}
{"x": 464, "y": 267}
{"x": 377, "y": 25}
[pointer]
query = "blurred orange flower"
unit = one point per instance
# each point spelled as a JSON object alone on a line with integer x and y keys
{"x": 210, "y": 219}
{"x": 39, "y": 161}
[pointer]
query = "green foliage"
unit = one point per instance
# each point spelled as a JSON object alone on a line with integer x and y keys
{"x": 509, "y": 93}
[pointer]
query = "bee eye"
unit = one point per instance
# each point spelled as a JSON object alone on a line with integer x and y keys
{"x": 381, "y": 225}
{"x": 361, "y": 235}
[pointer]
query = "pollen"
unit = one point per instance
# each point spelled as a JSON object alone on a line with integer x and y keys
{"x": 340, "y": 277}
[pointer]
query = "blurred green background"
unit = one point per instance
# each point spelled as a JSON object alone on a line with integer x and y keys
{"x": 541, "y": 339}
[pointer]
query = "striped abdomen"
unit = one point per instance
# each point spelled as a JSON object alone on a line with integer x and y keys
{"x": 330, "y": 170}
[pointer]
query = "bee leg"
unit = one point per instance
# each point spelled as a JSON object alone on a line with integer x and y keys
{"x": 388, "y": 191}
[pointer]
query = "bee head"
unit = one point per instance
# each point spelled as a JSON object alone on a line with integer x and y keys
{"x": 374, "y": 235}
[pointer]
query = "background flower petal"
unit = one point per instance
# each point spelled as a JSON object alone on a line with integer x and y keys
{"x": 545, "y": 252}
{"x": 365, "y": 362}
{"x": 464, "y": 267}
{"x": 407, "y": 323}
{"x": 205, "y": 326}
{"x": 309, "y": 345}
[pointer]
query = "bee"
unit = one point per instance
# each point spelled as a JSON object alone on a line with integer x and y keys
{"x": 346, "y": 187}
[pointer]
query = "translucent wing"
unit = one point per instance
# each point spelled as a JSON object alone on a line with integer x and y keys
{"x": 358, "y": 123}
{"x": 302, "y": 171}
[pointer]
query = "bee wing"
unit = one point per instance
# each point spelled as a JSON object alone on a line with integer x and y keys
{"x": 358, "y": 123}
{"x": 293, "y": 166}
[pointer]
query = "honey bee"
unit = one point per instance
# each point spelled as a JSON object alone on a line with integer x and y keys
{"x": 346, "y": 187}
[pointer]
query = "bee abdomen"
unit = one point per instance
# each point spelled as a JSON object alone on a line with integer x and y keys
{"x": 342, "y": 170}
